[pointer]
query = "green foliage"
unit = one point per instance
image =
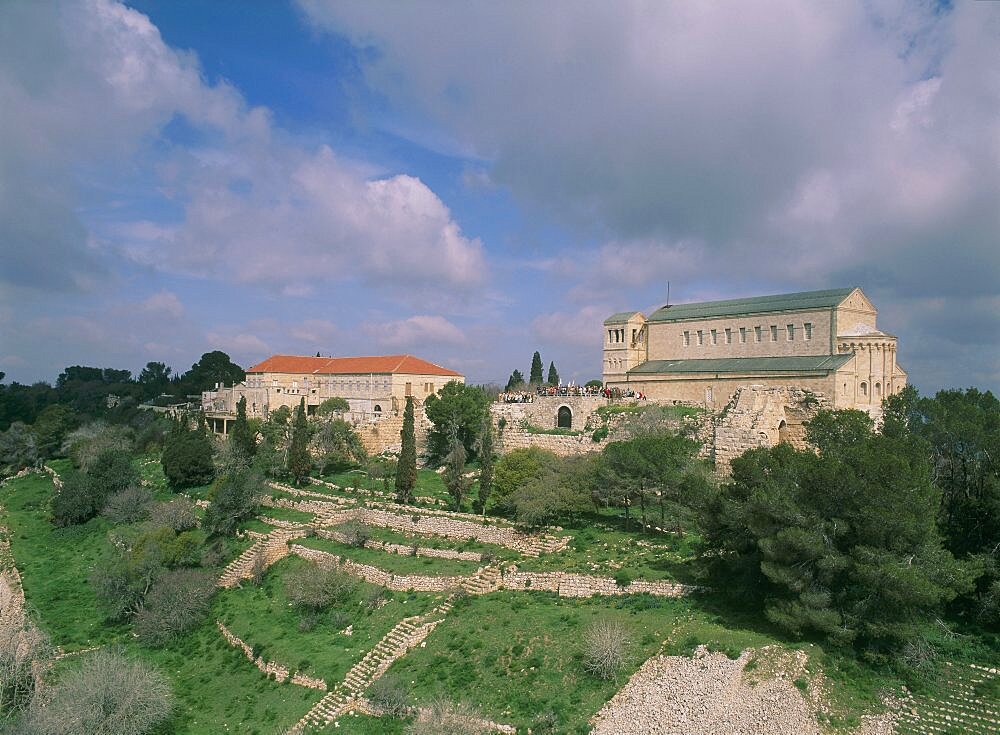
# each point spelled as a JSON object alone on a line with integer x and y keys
{"x": 406, "y": 467}
{"x": 456, "y": 409}
{"x": 454, "y": 474}
{"x": 515, "y": 381}
{"x": 187, "y": 456}
{"x": 553, "y": 377}
{"x": 600, "y": 434}
{"x": 339, "y": 446}
{"x": 487, "y": 459}
{"x": 843, "y": 543}
{"x": 560, "y": 489}
{"x": 213, "y": 367}
{"x": 233, "y": 498}
{"x": 517, "y": 468}
{"x": 332, "y": 406}
{"x": 18, "y": 449}
{"x": 84, "y": 494}
{"x": 52, "y": 426}
{"x": 535, "y": 376}
{"x": 299, "y": 459}
{"x": 241, "y": 437}
{"x": 593, "y": 384}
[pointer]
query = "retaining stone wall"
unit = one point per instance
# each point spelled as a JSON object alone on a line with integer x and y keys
{"x": 403, "y": 549}
{"x": 374, "y": 575}
{"x": 269, "y": 668}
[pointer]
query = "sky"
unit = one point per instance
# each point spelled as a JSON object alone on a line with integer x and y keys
{"x": 471, "y": 182}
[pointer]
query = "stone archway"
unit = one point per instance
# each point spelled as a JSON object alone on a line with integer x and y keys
{"x": 783, "y": 432}
{"x": 564, "y": 417}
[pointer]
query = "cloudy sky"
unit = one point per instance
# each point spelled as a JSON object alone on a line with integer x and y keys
{"x": 473, "y": 181}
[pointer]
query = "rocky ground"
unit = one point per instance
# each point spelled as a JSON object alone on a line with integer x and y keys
{"x": 710, "y": 694}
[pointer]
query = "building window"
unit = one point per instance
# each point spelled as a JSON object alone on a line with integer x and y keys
{"x": 743, "y": 335}
{"x": 715, "y": 337}
{"x": 409, "y": 389}
{"x": 729, "y": 336}
{"x": 757, "y": 333}
{"x": 701, "y": 338}
{"x": 774, "y": 332}
{"x": 687, "y": 338}
{"x": 864, "y": 388}
{"x": 633, "y": 335}
{"x": 791, "y": 332}
{"x": 378, "y": 410}
{"x": 808, "y": 331}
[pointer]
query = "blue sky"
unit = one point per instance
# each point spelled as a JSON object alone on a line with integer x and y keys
{"x": 472, "y": 182}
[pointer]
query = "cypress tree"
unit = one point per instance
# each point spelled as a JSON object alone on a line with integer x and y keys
{"x": 536, "y": 369}
{"x": 454, "y": 472}
{"x": 553, "y": 374}
{"x": 485, "y": 466}
{"x": 299, "y": 460}
{"x": 516, "y": 380}
{"x": 242, "y": 436}
{"x": 406, "y": 469}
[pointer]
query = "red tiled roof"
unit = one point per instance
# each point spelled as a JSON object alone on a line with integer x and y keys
{"x": 405, "y": 364}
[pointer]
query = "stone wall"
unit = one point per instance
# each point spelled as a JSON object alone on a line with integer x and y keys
{"x": 270, "y": 668}
{"x": 403, "y": 549}
{"x": 374, "y": 575}
{"x": 544, "y": 410}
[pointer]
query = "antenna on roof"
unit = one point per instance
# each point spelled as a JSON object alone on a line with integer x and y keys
{"x": 667, "y": 306}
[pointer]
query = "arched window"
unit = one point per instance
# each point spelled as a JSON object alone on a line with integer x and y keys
{"x": 782, "y": 432}
{"x": 564, "y": 419}
{"x": 377, "y": 410}
{"x": 878, "y": 391}
{"x": 864, "y": 388}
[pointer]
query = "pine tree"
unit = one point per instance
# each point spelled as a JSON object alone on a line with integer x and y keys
{"x": 553, "y": 374}
{"x": 536, "y": 369}
{"x": 406, "y": 469}
{"x": 485, "y": 466}
{"x": 299, "y": 459}
{"x": 242, "y": 436}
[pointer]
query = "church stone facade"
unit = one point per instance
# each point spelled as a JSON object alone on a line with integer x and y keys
{"x": 826, "y": 342}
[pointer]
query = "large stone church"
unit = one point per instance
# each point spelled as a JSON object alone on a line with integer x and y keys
{"x": 826, "y": 342}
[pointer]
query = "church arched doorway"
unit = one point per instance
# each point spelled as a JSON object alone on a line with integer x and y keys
{"x": 564, "y": 419}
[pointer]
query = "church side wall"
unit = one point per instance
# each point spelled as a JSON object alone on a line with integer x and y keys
{"x": 714, "y": 392}
{"x": 666, "y": 339}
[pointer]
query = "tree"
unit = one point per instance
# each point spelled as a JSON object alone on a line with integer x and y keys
{"x": 516, "y": 468}
{"x": 52, "y": 426}
{"x": 233, "y": 498}
{"x": 593, "y": 384}
{"x": 187, "y": 456}
{"x": 562, "y": 488}
{"x": 213, "y": 368}
{"x": 84, "y": 494}
{"x": 406, "y": 468}
{"x": 312, "y": 588}
{"x": 553, "y": 378}
{"x": 486, "y": 459}
{"x": 454, "y": 474}
{"x": 333, "y": 405}
{"x": 17, "y": 449}
{"x": 242, "y": 437}
{"x": 535, "y": 377}
{"x": 155, "y": 379}
{"x": 176, "y": 604}
{"x": 515, "y": 381}
{"x": 455, "y": 409}
{"x": 339, "y": 446}
{"x": 24, "y": 649}
{"x": 299, "y": 459}
{"x": 842, "y": 543}
{"x": 109, "y": 693}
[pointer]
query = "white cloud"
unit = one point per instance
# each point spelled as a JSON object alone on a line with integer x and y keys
{"x": 417, "y": 332}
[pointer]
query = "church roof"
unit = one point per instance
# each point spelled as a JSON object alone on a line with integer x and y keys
{"x": 755, "y": 305}
{"x": 745, "y": 365}
{"x": 403, "y": 364}
{"x": 620, "y": 318}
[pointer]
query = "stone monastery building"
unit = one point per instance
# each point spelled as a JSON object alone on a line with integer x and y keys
{"x": 823, "y": 341}
{"x": 373, "y": 386}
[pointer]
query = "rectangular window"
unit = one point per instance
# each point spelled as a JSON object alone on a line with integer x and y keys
{"x": 409, "y": 389}
{"x": 633, "y": 335}
{"x": 715, "y": 337}
{"x": 757, "y": 333}
{"x": 791, "y": 332}
{"x": 774, "y": 332}
{"x": 687, "y": 338}
{"x": 743, "y": 335}
{"x": 701, "y": 338}
{"x": 729, "y": 336}
{"x": 808, "y": 331}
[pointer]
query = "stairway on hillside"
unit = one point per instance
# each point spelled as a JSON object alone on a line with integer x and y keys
{"x": 274, "y": 547}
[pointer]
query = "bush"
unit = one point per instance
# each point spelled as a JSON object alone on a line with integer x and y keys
{"x": 390, "y": 694}
{"x": 131, "y": 505}
{"x": 177, "y": 602}
{"x": 232, "y": 499}
{"x": 22, "y": 648}
{"x": 600, "y": 434}
{"x": 357, "y": 534}
{"x": 74, "y": 502}
{"x": 187, "y": 458}
{"x": 607, "y": 649}
{"x": 449, "y": 718}
{"x": 108, "y": 694}
{"x": 90, "y": 441}
{"x": 311, "y": 588}
{"x": 177, "y": 514}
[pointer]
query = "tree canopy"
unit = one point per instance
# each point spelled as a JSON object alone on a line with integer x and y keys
{"x": 456, "y": 409}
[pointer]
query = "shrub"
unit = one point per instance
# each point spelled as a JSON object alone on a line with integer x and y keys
{"x": 74, "y": 502}
{"x": 449, "y": 718}
{"x": 357, "y": 534}
{"x": 311, "y": 588}
{"x": 85, "y": 444}
{"x": 187, "y": 458}
{"x": 390, "y": 693}
{"x": 22, "y": 647}
{"x": 177, "y": 602}
{"x": 129, "y": 506}
{"x": 109, "y": 693}
{"x": 178, "y": 514}
{"x": 623, "y": 578}
{"x": 233, "y": 499}
{"x": 607, "y": 649}
{"x": 600, "y": 434}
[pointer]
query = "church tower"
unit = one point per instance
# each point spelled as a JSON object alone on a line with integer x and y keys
{"x": 625, "y": 344}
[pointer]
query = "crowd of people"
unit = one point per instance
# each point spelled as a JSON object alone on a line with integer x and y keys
{"x": 595, "y": 391}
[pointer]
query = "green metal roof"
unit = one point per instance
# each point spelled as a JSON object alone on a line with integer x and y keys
{"x": 754, "y": 305}
{"x": 620, "y": 318}
{"x": 744, "y": 365}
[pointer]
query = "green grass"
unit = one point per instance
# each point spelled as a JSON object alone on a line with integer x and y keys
{"x": 394, "y": 563}
{"x": 429, "y": 484}
{"x": 515, "y": 655}
{"x": 358, "y": 724}
{"x": 287, "y": 514}
{"x": 437, "y": 542}
{"x": 262, "y": 617}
